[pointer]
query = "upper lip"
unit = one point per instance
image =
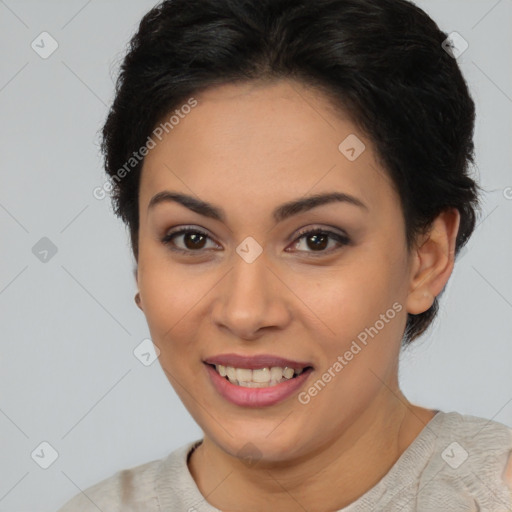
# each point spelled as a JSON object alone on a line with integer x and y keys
{"x": 254, "y": 362}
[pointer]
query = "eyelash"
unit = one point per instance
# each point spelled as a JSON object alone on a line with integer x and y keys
{"x": 341, "y": 239}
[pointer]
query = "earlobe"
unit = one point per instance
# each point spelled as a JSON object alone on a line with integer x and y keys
{"x": 137, "y": 295}
{"x": 137, "y": 301}
{"x": 434, "y": 258}
{"x": 419, "y": 301}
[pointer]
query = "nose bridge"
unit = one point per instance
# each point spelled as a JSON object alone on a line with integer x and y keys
{"x": 249, "y": 299}
{"x": 248, "y": 286}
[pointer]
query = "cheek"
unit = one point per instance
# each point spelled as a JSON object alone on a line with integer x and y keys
{"x": 351, "y": 297}
{"x": 169, "y": 294}
{"x": 362, "y": 318}
{"x": 361, "y": 307}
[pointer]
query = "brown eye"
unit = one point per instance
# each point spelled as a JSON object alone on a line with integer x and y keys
{"x": 317, "y": 240}
{"x": 193, "y": 240}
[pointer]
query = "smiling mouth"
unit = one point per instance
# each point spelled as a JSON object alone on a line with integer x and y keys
{"x": 258, "y": 378}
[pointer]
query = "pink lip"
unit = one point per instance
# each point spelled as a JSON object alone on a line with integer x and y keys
{"x": 256, "y": 397}
{"x": 254, "y": 362}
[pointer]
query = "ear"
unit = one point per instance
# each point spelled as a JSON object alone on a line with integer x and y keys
{"x": 137, "y": 295}
{"x": 138, "y": 301}
{"x": 433, "y": 261}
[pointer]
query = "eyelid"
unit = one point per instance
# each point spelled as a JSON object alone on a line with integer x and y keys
{"x": 183, "y": 230}
{"x": 319, "y": 228}
{"x": 340, "y": 236}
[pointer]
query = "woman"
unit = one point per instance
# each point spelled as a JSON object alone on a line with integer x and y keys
{"x": 295, "y": 179}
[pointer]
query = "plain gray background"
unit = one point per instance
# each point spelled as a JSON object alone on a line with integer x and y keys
{"x": 69, "y": 325}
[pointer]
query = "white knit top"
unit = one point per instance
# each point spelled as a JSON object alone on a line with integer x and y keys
{"x": 456, "y": 464}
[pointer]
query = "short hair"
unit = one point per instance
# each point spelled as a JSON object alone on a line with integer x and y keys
{"x": 381, "y": 62}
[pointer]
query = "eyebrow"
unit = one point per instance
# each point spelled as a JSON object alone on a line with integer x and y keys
{"x": 280, "y": 214}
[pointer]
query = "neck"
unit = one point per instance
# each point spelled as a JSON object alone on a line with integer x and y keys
{"x": 328, "y": 479}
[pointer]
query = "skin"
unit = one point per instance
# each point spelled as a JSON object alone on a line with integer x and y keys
{"x": 248, "y": 149}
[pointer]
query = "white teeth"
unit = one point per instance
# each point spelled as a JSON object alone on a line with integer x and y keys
{"x": 243, "y": 375}
{"x": 258, "y": 378}
{"x": 276, "y": 373}
{"x": 288, "y": 372}
{"x": 262, "y": 375}
{"x": 231, "y": 373}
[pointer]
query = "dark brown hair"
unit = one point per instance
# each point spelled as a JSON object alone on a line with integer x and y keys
{"x": 382, "y": 61}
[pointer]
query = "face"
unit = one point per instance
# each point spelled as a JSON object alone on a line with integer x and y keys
{"x": 249, "y": 282}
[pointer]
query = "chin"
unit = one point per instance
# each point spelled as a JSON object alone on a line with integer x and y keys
{"x": 258, "y": 443}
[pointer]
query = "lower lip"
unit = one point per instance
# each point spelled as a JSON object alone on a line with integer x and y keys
{"x": 256, "y": 397}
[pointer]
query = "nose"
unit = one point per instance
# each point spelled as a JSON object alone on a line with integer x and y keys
{"x": 252, "y": 299}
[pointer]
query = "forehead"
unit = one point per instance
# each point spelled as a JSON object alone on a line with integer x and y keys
{"x": 263, "y": 143}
